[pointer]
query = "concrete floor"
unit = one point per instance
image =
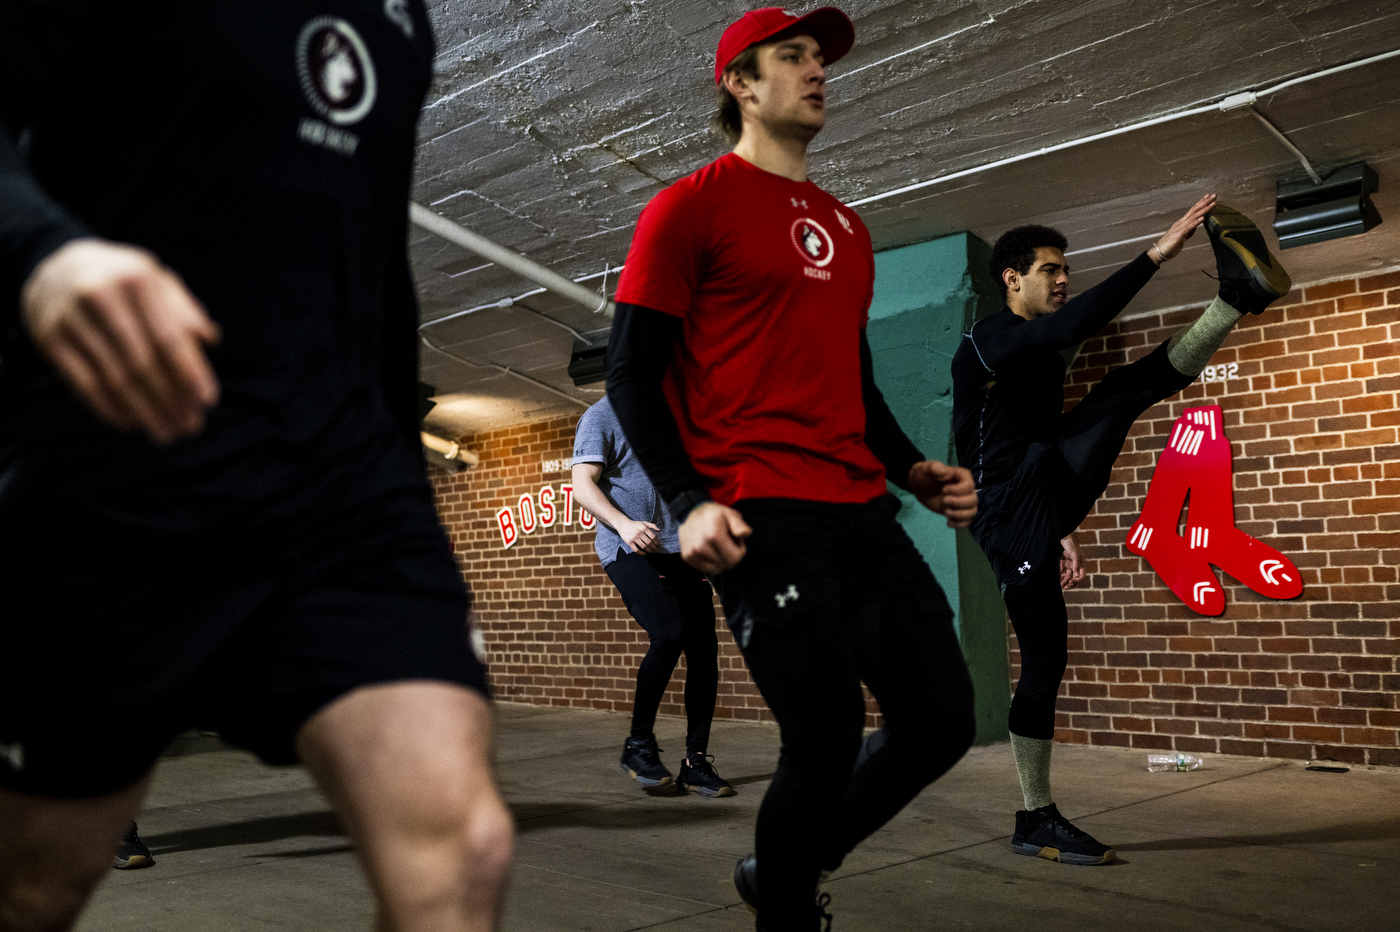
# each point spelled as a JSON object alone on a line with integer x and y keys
{"x": 1242, "y": 844}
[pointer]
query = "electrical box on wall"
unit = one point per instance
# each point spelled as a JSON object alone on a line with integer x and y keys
{"x": 1339, "y": 205}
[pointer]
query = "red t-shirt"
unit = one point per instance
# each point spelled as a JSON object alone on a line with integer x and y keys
{"x": 773, "y": 280}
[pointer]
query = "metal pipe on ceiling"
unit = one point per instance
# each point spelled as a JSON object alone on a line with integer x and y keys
{"x": 1230, "y": 102}
{"x": 493, "y": 252}
{"x": 450, "y": 449}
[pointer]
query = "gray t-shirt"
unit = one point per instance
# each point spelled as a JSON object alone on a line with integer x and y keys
{"x": 600, "y": 440}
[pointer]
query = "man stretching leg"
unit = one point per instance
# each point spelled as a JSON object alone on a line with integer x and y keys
{"x": 1039, "y": 472}
{"x": 743, "y": 380}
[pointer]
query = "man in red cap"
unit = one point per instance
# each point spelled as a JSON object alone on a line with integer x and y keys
{"x": 743, "y": 380}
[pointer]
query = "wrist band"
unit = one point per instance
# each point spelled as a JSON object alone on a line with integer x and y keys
{"x": 683, "y": 504}
{"x": 1159, "y": 252}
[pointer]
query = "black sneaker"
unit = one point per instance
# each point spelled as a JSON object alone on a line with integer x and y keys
{"x": 1045, "y": 833}
{"x": 701, "y": 777}
{"x": 746, "y": 880}
{"x": 1250, "y": 277}
{"x": 746, "y": 883}
{"x": 641, "y": 760}
{"x": 131, "y": 853}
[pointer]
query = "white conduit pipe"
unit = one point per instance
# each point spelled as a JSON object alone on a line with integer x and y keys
{"x": 513, "y": 261}
{"x": 450, "y": 449}
{"x": 1229, "y": 103}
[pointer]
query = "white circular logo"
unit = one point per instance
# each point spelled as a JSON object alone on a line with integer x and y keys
{"x": 813, "y": 242}
{"x": 337, "y": 74}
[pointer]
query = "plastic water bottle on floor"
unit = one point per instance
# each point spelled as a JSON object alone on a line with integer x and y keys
{"x": 1161, "y": 763}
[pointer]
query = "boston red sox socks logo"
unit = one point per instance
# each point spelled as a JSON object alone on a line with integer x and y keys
{"x": 1196, "y": 462}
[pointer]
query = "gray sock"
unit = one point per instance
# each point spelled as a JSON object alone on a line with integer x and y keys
{"x": 1192, "y": 347}
{"x": 1033, "y": 767}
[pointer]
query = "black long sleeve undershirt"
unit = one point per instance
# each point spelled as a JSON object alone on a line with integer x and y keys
{"x": 639, "y": 352}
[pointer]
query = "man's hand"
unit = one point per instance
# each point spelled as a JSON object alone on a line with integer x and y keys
{"x": 639, "y": 535}
{"x": 126, "y": 335}
{"x": 1071, "y": 564}
{"x": 1170, "y": 243}
{"x": 712, "y": 537}
{"x": 947, "y": 490}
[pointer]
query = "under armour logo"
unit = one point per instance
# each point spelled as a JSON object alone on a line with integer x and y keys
{"x": 1023, "y": 567}
{"x": 798, "y": 202}
{"x": 783, "y": 598}
{"x": 13, "y": 754}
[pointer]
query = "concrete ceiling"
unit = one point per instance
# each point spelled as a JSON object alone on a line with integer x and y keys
{"x": 551, "y": 123}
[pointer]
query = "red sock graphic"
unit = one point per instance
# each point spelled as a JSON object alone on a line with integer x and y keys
{"x": 1197, "y": 461}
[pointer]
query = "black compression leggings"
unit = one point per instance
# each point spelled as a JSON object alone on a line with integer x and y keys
{"x": 1091, "y": 437}
{"x": 1092, "y": 434}
{"x": 673, "y": 604}
{"x": 1037, "y": 610}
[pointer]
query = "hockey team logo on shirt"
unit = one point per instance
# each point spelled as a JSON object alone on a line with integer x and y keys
{"x": 814, "y": 244}
{"x": 336, "y": 71}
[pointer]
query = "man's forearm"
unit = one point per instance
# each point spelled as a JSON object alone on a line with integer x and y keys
{"x": 1088, "y": 313}
{"x": 32, "y": 226}
{"x": 587, "y": 494}
{"x": 639, "y": 353}
{"x": 883, "y": 435}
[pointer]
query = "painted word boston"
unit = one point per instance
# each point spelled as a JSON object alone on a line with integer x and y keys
{"x": 552, "y": 509}
{"x": 1196, "y": 463}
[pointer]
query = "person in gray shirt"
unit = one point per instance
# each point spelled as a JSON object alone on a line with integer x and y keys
{"x": 640, "y": 551}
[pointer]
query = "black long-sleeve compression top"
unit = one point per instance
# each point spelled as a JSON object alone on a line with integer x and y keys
{"x": 264, "y": 151}
{"x": 639, "y": 352}
{"x": 1008, "y": 374}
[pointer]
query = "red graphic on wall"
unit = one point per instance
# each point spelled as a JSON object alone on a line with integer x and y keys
{"x": 1196, "y": 464}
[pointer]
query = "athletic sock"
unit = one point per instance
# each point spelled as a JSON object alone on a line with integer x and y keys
{"x": 1192, "y": 347}
{"x": 1033, "y": 767}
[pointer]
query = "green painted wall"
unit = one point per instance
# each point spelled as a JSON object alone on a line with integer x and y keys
{"x": 924, "y": 296}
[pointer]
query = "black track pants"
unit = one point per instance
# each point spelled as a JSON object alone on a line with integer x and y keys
{"x": 674, "y": 605}
{"x": 829, "y": 596}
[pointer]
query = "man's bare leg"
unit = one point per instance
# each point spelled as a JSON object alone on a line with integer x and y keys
{"x": 56, "y": 853}
{"x": 408, "y": 767}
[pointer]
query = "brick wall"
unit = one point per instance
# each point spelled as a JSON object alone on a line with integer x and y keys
{"x": 1312, "y": 418}
{"x": 555, "y": 629}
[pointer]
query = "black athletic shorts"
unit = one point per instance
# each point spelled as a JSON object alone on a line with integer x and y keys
{"x": 1020, "y": 523}
{"x": 114, "y": 639}
{"x": 808, "y": 557}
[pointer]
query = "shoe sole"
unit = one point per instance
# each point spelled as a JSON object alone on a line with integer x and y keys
{"x": 705, "y": 791}
{"x": 1064, "y": 857}
{"x": 135, "y": 862}
{"x": 646, "y": 781}
{"x": 1268, "y": 275}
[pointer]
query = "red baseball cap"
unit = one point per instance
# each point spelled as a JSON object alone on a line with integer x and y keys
{"x": 829, "y": 26}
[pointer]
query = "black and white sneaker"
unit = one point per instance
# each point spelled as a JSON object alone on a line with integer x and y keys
{"x": 1250, "y": 277}
{"x": 1045, "y": 833}
{"x": 641, "y": 761}
{"x": 131, "y": 853}
{"x": 700, "y": 777}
